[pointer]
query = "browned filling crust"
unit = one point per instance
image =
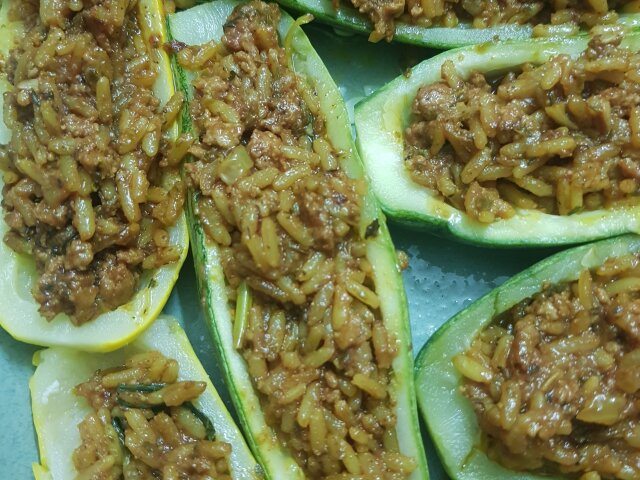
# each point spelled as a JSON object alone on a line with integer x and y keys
{"x": 486, "y": 13}
{"x": 145, "y": 426}
{"x": 91, "y": 181}
{"x": 562, "y": 137}
{"x": 555, "y": 381}
{"x": 289, "y": 227}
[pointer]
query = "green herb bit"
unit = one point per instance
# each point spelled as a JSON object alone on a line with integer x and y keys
{"x": 140, "y": 387}
{"x": 208, "y": 425}
{"x": 116, "y": 422}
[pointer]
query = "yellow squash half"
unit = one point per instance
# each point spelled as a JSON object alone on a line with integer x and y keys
{"x": 18, "y": 309}
{"x": 57, "y": 411}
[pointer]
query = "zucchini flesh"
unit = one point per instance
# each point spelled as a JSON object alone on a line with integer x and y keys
{"x": 380, "y": 121}
{"x": 436, "y": 37}
{"x": 112, "y": 329}
{"x": 57, "y": 411}
{"x": 447, "y": 413}
{"x": 199, "y": 25}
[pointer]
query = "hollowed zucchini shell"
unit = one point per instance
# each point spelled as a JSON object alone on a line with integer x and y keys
{"x": 447, "y": 413}
{"x": 380, "y": 122}
{"x": 349, "y": 18}
{"x": 199, "y": 25}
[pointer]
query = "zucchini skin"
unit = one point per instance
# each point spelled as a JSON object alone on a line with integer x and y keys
{"x": 380, "y": 120}
{"x": 276, "y": 462}
{"x": 112, "y": 329}
{"x": 448, "y": 415}
{"x": 443, "y": 38}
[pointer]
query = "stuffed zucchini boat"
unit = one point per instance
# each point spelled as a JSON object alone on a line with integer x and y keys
{"x": 297, "y": 272}
{"x": 146, "y": 409}
{"x": 93, "y": 229}
{"x": 449, "y": 24}
{"x": 512, "y": 144}
{"x": 539, "y": 378}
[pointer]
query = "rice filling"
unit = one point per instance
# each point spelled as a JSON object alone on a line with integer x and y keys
{"x": 562, "y": 137}
{"x": 569, "y": 14}
{"x": 92, "y": 186}
{"x": 555, "y": 380}
{"x": 144, "y": 425}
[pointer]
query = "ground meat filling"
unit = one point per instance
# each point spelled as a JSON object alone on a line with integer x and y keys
{"x": 289, "y": 225}
{"x": 562, "y": 137}
{"x": 489, "y": 13}
{"x": 144, "y": 425}
{"x": 555, "y": 381}
{"x": 91, "y": 184}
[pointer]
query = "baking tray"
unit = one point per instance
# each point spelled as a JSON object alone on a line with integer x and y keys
{"x": 443, "y": 276}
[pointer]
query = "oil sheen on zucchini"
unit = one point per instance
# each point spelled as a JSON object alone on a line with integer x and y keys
{"x": 19, "y": 311}
{"x": 437, "y": 37}
{"x": 57, "y": 411}
{"x": 380, "y": 121}
{"x": 448, "y": 414}
{"x": 197, "y": 26}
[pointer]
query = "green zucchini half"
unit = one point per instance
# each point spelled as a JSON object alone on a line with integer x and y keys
{"x": 380, "y": 121}
{"x": 199, "y": 25}
{"x": 437, "y": 37}
{"x": 448, "y": 415}
{"x": 57, "y": 411}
